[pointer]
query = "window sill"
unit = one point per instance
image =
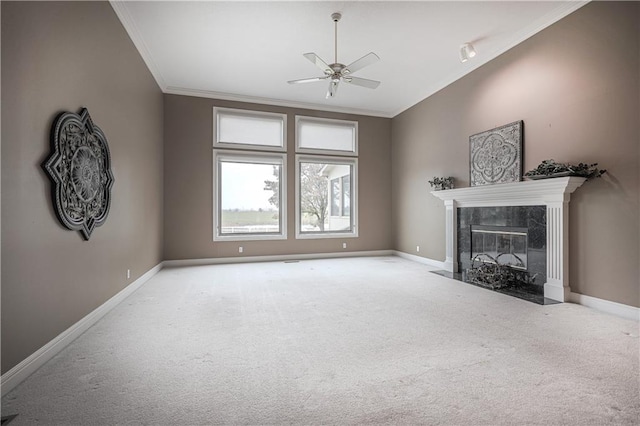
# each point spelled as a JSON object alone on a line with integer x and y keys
{"x": 249, "y": 237}
{"x": 334, "y": 235}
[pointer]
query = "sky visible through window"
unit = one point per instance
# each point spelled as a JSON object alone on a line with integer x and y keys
{"x": 243, "y": 186}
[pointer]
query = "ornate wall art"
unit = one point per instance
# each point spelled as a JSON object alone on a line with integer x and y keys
{"x": 80, "y": 169}
{"x": 496, "y": 155}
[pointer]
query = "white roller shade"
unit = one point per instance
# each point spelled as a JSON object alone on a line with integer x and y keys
{"x": 314, "y": 134}
{"x": 239, "y": 127}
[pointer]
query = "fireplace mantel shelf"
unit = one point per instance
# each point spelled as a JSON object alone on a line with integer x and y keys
{"x": 554, "y": 193}
{"x": 531, "y": 192}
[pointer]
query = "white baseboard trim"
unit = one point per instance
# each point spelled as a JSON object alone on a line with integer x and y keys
{"x": 17, "y": 374}
{"x": 24, "y": 369}
{"x": 624, "y": 311}
{"x": 424, "y": 260}
{"x": 618, "y": 309}
{"x": 275, "y": 258}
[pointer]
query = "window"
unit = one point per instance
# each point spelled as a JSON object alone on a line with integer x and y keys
{"x": 236, "y": 128}
{"x": 249, "y": 200}
{"x": 325, "y": 197}
{"x": 249, "y": 181}
{"x": 326, "y": 185}
{"x": 326, "y": 136}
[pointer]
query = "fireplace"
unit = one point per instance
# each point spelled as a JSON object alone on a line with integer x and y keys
{"x": 506, "y": 236}
{"x": 503, "y": 245}
{"x": 539, "y": 206}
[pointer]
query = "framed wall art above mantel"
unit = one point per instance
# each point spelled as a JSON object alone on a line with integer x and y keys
{"x": 495, "y": 156}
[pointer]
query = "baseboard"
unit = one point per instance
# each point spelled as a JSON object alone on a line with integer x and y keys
{"x": 618, "y": 309}
{"x": 275, "y": 258}
{"x": 424, "y": 260}
{"x": 17, "y": 374}
{"x": 624, "y": 311}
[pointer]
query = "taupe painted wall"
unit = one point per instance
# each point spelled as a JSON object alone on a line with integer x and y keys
{"x": 188, "y": 202}
{"x": 576, "y": 86}
{"x": 55, "y": 57}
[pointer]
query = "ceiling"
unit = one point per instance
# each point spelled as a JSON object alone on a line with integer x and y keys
{"x": 247, "y": 51}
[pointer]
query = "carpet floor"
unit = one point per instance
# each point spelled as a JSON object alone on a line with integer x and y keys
{"x": 375, "y": 340}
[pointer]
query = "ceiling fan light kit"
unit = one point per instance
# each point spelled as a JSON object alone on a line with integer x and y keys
{"x": 337, "y": 72}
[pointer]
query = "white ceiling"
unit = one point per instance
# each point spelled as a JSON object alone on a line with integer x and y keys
{"x": 248, "y": 50}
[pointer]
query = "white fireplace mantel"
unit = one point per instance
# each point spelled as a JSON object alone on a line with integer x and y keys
{"x": 553, "y": 193}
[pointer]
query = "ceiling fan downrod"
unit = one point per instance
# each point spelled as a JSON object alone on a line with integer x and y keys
{"x": 336, "y": 17}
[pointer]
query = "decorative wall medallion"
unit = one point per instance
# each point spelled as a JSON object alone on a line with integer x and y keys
{"x": 80, "y": 168}
{"x": 496, "y": 155}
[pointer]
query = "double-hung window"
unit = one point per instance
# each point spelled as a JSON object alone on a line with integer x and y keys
{"x": 250, "y": 175}
{"x": 326, "y": 178}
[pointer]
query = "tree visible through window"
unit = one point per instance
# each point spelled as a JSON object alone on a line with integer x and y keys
{"x": 324, "y": 190}
{"x": 313, "y": 196}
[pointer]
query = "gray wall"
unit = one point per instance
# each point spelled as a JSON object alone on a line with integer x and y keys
{"x": 188, "y": 202}
{"x": 576, "y": 86}
{"x": 55, "y": 57}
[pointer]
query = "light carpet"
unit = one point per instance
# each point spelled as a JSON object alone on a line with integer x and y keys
{"x": 345, "y": 341}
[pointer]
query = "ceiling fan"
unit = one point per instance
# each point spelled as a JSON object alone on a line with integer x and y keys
{"x": 336, "y": 71}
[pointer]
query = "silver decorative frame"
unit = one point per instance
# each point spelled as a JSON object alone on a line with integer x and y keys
{"x": 495, "y": 156}
{"x": 80, "y": 170}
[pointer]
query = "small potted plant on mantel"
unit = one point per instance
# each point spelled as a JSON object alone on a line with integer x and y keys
{"x": 440, "y": 183}
{"x": 550, "y": 169}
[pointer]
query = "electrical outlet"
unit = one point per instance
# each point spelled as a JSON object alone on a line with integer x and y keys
{"x": 418, "y": 249}
{"x": 240, "y": 249}
{"x": 128, "y": 273}
{"x": 344, "y": 245}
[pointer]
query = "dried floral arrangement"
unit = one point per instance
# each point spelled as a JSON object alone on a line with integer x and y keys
{"x": 439, "y": 183}
{"x": 551, "y": 168}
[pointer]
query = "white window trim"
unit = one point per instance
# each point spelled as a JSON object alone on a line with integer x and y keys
{"x": 354, "y": 197}
{"x": 249, "y": 157}
{"x": 248, "y": 113}
{"x": 331, "y": 152}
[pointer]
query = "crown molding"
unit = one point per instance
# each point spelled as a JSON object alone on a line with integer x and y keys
{"x": 525, "y": 33}
{"x": 171, "y": 90}
{"x": 127, "y": 21}
{"x": 121, "y": 10}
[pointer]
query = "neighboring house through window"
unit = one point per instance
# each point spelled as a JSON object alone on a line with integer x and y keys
{"x": 339, "y": 176}
{"x": 326, "y": 177}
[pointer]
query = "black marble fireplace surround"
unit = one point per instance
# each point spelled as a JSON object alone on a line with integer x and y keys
{"x": 506, "y": 223}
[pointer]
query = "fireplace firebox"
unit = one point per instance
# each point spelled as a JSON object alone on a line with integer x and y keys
{"x": 503, "y": 245}
{"x": 509, "y": 236}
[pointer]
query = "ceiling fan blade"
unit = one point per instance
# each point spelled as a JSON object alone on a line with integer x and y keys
{"x": 333, "y": 88}
{"x": 318, "y": 63}
{"x": 307, "y": 80}
{"x": 368, "y": 59}
{"x": 363, "y": 82}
